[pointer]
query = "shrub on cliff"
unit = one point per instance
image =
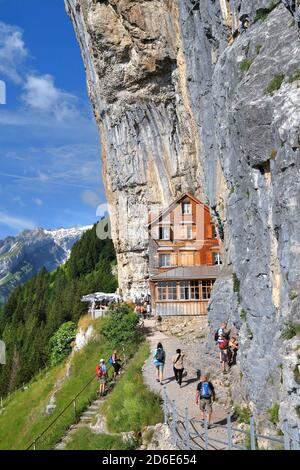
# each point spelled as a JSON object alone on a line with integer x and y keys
{"x": 121, "y": 325}
{"x": 60, "y": 343}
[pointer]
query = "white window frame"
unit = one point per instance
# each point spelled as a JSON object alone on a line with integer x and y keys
{"x": 164, "y": 256}
{"x": 189, "y": 227}
{"x": 217, "y": 259}
{"x": 164, "y": 232}
{"x": 184, "y": 206}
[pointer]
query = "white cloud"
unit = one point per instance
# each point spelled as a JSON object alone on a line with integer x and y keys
{"x": 90, "y": 198}
{"x": 13, "y": 52}
{"x": 16, "y": 223}
{"x": 37, "y": 201}
{"x": 18, "y": 200}
{"x": 41, "y": 94}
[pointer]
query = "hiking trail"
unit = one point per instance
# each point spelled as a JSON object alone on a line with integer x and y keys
{"x": 197, "y": 357}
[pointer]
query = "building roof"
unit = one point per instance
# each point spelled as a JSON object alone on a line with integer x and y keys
{"x": 172, "y": 205}
{"x": 189, "y": 272}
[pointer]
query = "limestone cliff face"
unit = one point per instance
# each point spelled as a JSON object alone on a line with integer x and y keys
{"x": 204, "y": 96}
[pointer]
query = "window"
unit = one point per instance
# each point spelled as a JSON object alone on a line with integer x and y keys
{"x": 172, "y": 290}
{"x": 167, "y": 290}
{"x": 186, "y": 208}
{"x": 215, "y": 234}
{"x": 195, "y": 290}
{"x": 162, "y": 290}
{"x": 189, "y": 232}
{"x": 164, "y": 259}
{"x": 184, "y": 290}
{"x": 217, "y": 258}
{"x": 164, "y": 233}
{"x": 206, "y": 289}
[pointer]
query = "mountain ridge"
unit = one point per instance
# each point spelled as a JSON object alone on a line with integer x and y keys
{"x": 24, "y": 255}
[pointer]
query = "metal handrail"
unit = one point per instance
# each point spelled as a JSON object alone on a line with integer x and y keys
{"x": 33, "y": 444}
{"x": 290, "y": 438}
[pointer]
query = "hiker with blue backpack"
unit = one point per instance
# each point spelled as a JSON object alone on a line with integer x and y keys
{"x": 159, "y": 359}
{"x": 115, "y": 363}
{"x": 205, "y": 395}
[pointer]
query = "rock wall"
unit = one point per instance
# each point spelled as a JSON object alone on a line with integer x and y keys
{"x": 204, "y": 96}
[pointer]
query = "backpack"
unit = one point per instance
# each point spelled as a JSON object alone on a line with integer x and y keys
{"x": 223, "y": 344}
{"x": 217, "y": 335}
{"x": 205, "y": 391}
{"x": 159, "y": 356}
{"x": 101, "y": 371}
{"x": 110, "y": 360}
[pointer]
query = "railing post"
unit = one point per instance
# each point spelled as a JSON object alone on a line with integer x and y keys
{"x": 252, "y": 433}
{"x": 34, "y": 445}
{"x": 165, "y": 399}
{"x": 174, "y": 424}
{"x": 286, "y": 437}
{"x": 205, "y": 433}
{"x": 229, "y": 431}
{"x": 75, "y": 411}
{"x": 295, "y": 438}
{"x": 187, "y": 430}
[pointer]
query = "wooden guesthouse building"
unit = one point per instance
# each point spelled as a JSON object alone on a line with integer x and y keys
{"x": 184, "y": 258}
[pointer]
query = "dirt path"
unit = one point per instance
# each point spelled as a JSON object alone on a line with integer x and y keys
{"x": 196, "y": 357}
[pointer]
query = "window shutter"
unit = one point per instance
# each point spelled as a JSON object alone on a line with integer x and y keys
{"x": 209, "y": 258}
{"x": 209, "y": 231}
{"x": 154, "y": 231}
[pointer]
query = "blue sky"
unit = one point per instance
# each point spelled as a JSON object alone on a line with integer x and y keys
{"x": 50, "y": 170}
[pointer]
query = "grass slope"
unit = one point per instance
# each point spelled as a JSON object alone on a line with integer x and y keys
{"x": 85, "y": 439}
{"x": 130, "y": 407}
{"x": 24, "y": 418}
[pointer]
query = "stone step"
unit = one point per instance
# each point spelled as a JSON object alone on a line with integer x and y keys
{"x": 86, "y": 419}
{"x": 88, "y": 413}
{"x": 98, "y": 402}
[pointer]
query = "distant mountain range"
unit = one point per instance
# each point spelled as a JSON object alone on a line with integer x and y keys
{"x": 24, "y": 255}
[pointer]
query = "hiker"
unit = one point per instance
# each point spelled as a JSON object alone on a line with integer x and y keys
{"x": 232, "y": 350}
{"x": 115, "y": 363}
{"x": 177, "y": 361}
{"x": 101, "y": 372}
{"x": 159, "y": 359}
{"x": 144, "y": 312}
{"x": 205, "y": 396}
{"x": 223, "y": 346}
{"x": 222, "y": 331}
{"x": 148, "y": 310}
{"x": 137, "y": 309}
